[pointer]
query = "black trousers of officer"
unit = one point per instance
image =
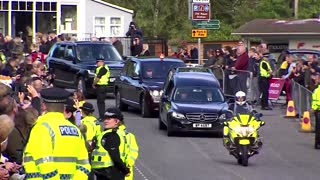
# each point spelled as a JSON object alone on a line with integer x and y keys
{"x": 110, "y": 173}
{"x": 264, "y": 85}
{"x": 101, "y": 97}
{"x": 317, "y": 130}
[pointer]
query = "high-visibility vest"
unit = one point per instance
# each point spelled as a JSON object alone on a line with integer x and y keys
{"x": 101, "y": 157}
{"x": 93, "y": 126}
{"x": 55, "y": 150}
{"x": 105, "y": 78}
{"x": 132, "y": 151}
{"x": 316, "y": 99}
{"x": 265, "y": 73}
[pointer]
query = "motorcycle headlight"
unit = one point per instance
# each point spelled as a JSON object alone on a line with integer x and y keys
{"x": 243, "y": 130}
{"x": 178, "y": 115}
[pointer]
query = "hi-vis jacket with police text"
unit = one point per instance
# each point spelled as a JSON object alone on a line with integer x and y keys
{"x": 93, "y": 126}
{"x": 55, "y": 150}
{"x": 316, "y": 99}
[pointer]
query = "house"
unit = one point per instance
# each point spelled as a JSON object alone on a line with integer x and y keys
{"x": 282, "y": 34}
{"x": 81, "y": 18}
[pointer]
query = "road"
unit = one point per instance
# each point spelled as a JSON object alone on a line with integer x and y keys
{"x": 286, "y": 154}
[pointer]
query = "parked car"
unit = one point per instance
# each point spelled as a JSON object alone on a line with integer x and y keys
{"x": 73, "y": 64}
{"x": 192, "y": 101}
{"x": 141, "y": 81}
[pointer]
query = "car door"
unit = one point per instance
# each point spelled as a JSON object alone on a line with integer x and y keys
{"x": 134, "y": 86}
{"x": 122, "y": 81}
{"x": 165, "y": 104}
{"x": 56, "y": 63}
{"x": 126, "y": 81}
{"x": 71, "y": 69}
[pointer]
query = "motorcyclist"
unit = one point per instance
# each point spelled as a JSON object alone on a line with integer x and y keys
{"x": 241, "y": 106}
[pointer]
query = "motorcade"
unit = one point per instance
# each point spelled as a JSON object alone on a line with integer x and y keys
{"x": 73, "y": 64}
{"x": 242, "y": 138}
{"x": 192, "y": 101}
{"x": 140, "y": 83}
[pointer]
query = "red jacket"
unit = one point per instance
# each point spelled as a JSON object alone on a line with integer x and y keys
{"x": 242, "y": 62}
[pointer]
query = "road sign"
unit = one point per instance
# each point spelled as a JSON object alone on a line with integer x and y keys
{"x": 200, "y": 11}
{"x": 211, "y": 24}
{"x": 197, "y": 33}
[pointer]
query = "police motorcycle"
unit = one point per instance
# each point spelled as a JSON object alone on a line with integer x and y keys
{"x": 241, "y": 131}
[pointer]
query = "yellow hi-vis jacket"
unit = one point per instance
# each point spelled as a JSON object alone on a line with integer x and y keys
{"x": 101, "y": 157}
{"x": 105, "y": 78}
{"x": 55, "y": 150}
{"x": 316, "y": 99}
{"x": 132, "y": 151}
{"x": 93, "y": 126}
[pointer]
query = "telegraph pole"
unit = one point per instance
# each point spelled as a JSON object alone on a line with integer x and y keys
{"x": 295, "y": 8}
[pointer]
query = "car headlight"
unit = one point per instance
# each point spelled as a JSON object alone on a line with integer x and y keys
{"x": 178, "y": 115}
{"x": 222, "y": 117}
{"x": 156, "y": 93}
{"x": 91, "y": 72}
{"x": 243, "y": 130}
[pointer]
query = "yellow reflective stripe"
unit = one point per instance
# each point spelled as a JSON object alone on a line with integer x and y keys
{"x": 134, "y": 150}
{"x": 99, "y": 163}
{"x": 51, "y": 133}
{"x": 132, "y": 157}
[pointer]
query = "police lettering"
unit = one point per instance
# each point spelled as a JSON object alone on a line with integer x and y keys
{"x": 68, "y": 131}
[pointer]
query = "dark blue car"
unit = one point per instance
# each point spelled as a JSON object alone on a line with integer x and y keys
{"x": 140, "y": 83}
{"x": 192, "y": 101}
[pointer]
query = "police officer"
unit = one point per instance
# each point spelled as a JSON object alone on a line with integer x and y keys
{"x": 316, "y": 109}
{"x": 240, "y": 106}
{"x": 55, "y": 148}
{"x": 91, "y": 122}
{"x": 100, "y": 83}
{"x": 264, "y": 84}
{"x": 108, "y": 156}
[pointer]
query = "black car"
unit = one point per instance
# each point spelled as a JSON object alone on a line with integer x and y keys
{"x": 192, "y": 101}
{"x": 141, "y": 81}
{"x": 74, "y": 64}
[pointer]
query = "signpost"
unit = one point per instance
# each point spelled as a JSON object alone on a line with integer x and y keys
{"x": 200, "y": 11}
{"x": 211, "y": 24}
{"x": 199, "y": 33}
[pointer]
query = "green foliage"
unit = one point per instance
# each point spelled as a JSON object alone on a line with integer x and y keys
{"x": 169, "y": 18}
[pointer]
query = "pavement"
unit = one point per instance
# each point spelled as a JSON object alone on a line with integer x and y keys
{"x": 286, "y": 154}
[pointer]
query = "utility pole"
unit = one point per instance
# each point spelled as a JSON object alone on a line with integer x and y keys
{"x": 295, "y": 8}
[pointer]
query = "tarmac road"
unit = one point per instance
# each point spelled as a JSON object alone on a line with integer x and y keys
{"x": 286, "y": 153}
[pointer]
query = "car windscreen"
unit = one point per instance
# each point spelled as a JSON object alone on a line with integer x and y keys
{"x": 198, "y": 95}
{"x": 158, "y": 69}
{"x": 90, "y": 52}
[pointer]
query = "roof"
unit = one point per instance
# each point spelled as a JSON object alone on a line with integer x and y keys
{"x": 196, "y": 79}
{"x": 158, "y": 59}
{"x": 114, "y": 6}
{"x": 279, "y": 27}
{"x": 84, "y": 42}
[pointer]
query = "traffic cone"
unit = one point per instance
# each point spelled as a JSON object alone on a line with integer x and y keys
{"x": 306, "y": 124}
{"x": 291, "y": 110}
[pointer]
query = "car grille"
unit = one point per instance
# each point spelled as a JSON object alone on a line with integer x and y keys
{"x": 196, "y": 117}
{"x": 115, "y": 72}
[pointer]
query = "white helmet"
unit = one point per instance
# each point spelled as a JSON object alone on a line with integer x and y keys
{"x": 240, "y": 97}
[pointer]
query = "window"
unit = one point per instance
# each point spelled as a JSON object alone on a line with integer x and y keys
{"x": 115, "y": 26}
{"x": 4, "y": 5}
{"x": 89, "y": 52}
{"x": 136, "y": 69}
{"x": 69, "y": 17}
{"x": 100, "y": 26}
{"x": 131, "y": 67}
{"x": 69, "y": 52}
{"x": 198, "y": 95}
{"x": 59, "y": 52}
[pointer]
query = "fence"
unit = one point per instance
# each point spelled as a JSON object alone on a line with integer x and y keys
{"x": 302, "y": 98}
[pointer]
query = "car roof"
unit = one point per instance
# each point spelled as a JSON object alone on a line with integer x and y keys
{"x": 196, "y": 79}
{"x": 156, "y": 59}
{"x": 84, "y": 42}
{"x": 311, "y": 51}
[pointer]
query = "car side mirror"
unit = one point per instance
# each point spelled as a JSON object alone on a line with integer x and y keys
{"x": 124, "y": 58}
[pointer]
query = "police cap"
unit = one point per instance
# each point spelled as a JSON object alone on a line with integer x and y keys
{"x": 100, "y": 58}
{"x": 87, "y": 107}
{"x": 54, "y": 95}
{"x": 113, "y": 113}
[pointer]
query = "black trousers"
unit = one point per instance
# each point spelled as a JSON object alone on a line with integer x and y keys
{"x": 110, "y": 173}
{"x": 101, "y": 97}
{"x": 317, "y": 130}
{"x": 264, "y": 85}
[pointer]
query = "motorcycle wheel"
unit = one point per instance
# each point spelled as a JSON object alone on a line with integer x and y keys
{"x": 244, "y": 155}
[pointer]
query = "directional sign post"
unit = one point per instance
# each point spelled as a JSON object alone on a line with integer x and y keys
{"x": 211, "y": 24}
{"x": 200, "y": 11}
{"x": 199, "y": 33}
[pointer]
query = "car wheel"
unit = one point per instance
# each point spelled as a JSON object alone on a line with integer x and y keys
{"x": 145, "y": 111}
{"x": 82, "y": 87}
{"x": 170, "y": 131}
{"x": 119, "y": 103}
{"x": 162, "y": 126}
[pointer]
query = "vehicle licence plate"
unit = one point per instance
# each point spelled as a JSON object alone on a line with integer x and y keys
{"x": 112, "y": 79}
{"x": 201, "y": 125}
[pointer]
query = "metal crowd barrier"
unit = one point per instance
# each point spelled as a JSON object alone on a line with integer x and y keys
{"x": 302, "y": 98}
